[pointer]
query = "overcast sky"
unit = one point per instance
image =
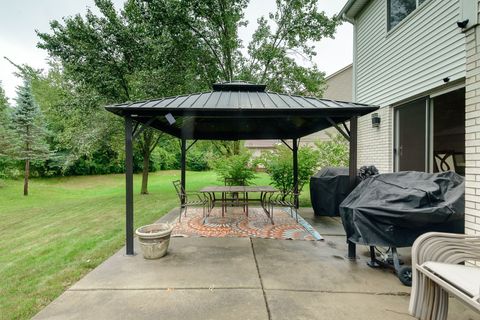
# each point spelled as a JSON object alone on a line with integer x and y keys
{"x": 20, "y": 18}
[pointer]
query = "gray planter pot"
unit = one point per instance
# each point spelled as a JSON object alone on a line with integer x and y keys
{"x": 154, "y": 239}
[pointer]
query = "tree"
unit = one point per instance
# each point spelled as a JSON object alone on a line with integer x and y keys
{"x": 6, "y": 136}
{"x": 333, "y": 152}
{"x": 155, "y": 48}
{"x": 273, "y": 53}
{"x": 124, "y": 56}
{"x": 29, "y": 127}
{"x": 4, "y": 122}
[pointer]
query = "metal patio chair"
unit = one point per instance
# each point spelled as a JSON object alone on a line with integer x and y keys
{"x": 190, "y": 199}
{"x": 284, "y": 199}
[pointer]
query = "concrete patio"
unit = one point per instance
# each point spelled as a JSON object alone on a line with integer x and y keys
{"x": 242, "y": 278}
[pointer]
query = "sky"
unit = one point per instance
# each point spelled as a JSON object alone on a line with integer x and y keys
{"x": 20, "y": 18}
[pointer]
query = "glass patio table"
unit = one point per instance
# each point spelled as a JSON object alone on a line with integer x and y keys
{"x": 263, "y": 190}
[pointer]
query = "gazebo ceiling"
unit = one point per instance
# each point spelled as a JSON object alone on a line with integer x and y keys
{"x": 238, "y": 111}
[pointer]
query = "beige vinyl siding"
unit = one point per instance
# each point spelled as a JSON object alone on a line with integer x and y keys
{"x": 413, "y": 57}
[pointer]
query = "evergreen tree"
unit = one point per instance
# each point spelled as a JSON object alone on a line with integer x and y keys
{"x": 4, "y": 120}
{"x": 27, "y": 122}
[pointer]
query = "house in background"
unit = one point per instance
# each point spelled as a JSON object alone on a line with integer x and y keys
{"x": 419, "y": 60}
{"x": 339, "y": 87}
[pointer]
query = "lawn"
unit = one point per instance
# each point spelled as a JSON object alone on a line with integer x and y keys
{"x": 67, "y": 226}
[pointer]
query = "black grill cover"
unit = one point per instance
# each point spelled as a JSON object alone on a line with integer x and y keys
{"x": 328, "y": 188}
{"x": 393, "y": 209}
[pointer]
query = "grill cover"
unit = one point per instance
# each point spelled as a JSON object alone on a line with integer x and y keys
{"x": 393, "y": 209}
{"x": 328, "y": 188}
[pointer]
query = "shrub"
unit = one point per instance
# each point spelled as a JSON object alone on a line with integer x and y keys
{"x": 333, "y": 153}
{"x": 197, "y": 160}
{"x": 236, "y": 167}
{"x": 279, "y": 165}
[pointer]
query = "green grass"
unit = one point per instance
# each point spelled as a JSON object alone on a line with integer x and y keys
{"x": 68, "y": 226}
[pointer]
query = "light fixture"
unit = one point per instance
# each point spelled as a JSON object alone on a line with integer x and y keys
{"x": 375, "y": 120}
{"x": 462, "y": 24}
{"x": 171, "y": 120}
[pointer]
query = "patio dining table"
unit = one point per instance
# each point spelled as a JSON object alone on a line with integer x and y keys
{"x": 263, "y": 190}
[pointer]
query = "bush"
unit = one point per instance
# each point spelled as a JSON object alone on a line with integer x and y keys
{"x": 279, "y": 165}
{"x": 333, "y": 153}
{"x": 8, "y": 168}
{"x": 236, "y": 167}
{"x": 197, "y": 160}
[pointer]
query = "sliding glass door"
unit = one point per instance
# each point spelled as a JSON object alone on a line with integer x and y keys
{"x": 430, "y": 133}
{"x": 411, "y": 136}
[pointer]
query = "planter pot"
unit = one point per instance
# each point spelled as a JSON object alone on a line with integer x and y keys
{"x": 154, "y": 239}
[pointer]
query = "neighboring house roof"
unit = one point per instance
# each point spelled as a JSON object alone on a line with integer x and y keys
{"x": 352, "y": 8}
{"x": 260, "y": 144}
{"x": 336, "y": 73}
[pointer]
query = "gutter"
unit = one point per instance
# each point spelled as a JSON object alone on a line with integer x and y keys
{"x": 345, "y": 9}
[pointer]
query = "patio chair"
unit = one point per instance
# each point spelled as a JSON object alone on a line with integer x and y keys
{"x": 443, "y": 264}
{"x": 190, "y": 199}
{"x": 284, "y": 199}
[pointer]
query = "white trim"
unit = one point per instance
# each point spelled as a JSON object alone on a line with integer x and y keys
{"x": 430, "y": 136}
{"x": 447, "y": 90}
{"x": 354, "y": 64}
{"x": 339, "y": 71}
{"x": 396, "y": 129}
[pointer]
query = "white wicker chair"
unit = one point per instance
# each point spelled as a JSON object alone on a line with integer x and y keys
{"x": 438, "y": 271}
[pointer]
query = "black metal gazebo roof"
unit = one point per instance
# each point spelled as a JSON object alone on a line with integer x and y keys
{"x": 239, "y": 110}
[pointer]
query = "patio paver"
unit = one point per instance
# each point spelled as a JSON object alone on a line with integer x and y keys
{"x": 317, "y": 305}
{"x": 190, "y": 263}
{"x": 317, "y": 266}
{"x": 157, "y": 304}
{"x": 241, "y": 278}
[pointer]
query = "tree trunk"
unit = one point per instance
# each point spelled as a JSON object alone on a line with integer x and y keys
{"x": 27, "y": 174}
{"x": 236, "y": 147}
{"x": 146, "y": 167}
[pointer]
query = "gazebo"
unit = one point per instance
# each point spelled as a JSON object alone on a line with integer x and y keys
{"x": 236, "y": 111}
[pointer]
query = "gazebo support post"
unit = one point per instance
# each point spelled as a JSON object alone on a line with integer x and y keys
{"x": 295, "y": 170}
{"x": 183, "y": 165}
{"x": 352, "y": 255}
{"x": 129, "y": 185}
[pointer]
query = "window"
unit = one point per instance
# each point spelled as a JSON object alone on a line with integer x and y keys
{"x": 400, "y": 9}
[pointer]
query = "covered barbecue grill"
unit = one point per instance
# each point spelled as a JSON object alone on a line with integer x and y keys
{"x": 393, "y": 209}
{"x": 328, "y": 188}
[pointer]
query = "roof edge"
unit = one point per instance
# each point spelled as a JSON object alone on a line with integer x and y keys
{"x": 351, "y": 9}
{"x": 339, "y": 71}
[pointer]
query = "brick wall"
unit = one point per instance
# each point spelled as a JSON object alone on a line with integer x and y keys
{"x": 375, "y": 144}
{"x": 472, "y": 132}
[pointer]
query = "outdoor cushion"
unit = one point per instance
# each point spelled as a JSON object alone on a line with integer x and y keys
{"x": 465, "y": 278}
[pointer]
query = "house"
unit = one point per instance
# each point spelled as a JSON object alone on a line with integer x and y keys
{"x": 419, "y": 60}
{"x": 339, "y": 87}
